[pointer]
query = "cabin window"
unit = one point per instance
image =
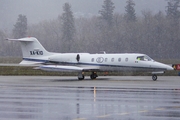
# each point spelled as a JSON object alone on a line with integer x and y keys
{"x": 119, "y": 59}
{"x": 144, "y": 58}
{"x": 106, "y": 59}
{"x": 126, "y": 59}
{"x": 140, "y": 58}
{"x": 112, "y": 60}
{"x": 92, "y": 60}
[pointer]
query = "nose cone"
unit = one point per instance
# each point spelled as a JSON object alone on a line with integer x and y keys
{"x": 163, "y": 66}
{"x": 169, "y": 67}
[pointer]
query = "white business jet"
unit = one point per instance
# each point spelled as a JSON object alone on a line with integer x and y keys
{"x": 35, "y": 54}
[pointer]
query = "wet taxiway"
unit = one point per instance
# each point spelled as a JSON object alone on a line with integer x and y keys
{"x": 107, "y": 98}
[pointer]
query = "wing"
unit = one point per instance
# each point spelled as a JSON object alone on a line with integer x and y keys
{"x": 67, "y": 68}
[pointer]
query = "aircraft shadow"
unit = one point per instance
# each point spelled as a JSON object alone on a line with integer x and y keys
{"x": 75, "y": 79}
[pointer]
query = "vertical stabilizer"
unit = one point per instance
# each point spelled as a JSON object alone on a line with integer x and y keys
{"x": 32, "y": 49}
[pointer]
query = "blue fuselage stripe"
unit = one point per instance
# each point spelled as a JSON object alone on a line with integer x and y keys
{"x": 35, "y": 60}
{"x": 91, "y": 64}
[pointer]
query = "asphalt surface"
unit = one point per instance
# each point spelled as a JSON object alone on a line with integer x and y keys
{"x": 106, "y": 98}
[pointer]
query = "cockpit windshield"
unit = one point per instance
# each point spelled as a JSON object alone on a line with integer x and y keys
{"x": 144, "y": 58}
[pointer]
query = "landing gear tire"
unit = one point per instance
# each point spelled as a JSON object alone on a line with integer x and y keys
{"x": 81, "y": 76}
{"x": 154, "y": 77}
{"x": 93, "y": 76}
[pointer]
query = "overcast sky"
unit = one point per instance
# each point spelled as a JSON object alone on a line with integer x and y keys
{"x": 39, "y": 10}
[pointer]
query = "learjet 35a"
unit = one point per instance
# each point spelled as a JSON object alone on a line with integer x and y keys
{"x": 35, "y": 54}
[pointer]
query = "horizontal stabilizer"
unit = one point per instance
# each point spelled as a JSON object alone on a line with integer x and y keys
{"x": 29, "y": 63}
{"x": 29, "y": 39}
{"x": 60, "y": 68}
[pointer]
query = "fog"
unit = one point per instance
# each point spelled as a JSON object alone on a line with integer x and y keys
{"x": 40, "y": 10}
{"x": 153, "y": 33}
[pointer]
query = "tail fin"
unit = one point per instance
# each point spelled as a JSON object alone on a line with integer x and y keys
{"x": 32, "y": 48}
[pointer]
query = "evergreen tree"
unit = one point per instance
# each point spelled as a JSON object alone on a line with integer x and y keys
{"x": 20, "y": 28}
{"x": 172, "y": 9}
{"x": 130, "y": 14}
{"x": 173, "y": 15}
{"x": 107, "y": 12}
{"x": 68, "y": 27}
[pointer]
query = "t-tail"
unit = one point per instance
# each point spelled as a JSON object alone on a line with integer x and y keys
{"x": 32, "y": 50}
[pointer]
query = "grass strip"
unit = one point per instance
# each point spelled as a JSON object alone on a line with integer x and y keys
{"x": 22, "y": 70}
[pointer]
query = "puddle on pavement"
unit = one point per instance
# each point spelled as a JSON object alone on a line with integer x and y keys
{"x": 45, "y": 102}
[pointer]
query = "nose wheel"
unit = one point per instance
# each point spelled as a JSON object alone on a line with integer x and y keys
{"x": 154, "y": 77}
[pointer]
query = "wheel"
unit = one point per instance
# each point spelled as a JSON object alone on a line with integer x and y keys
{"x": 154, "y": 77}
{"x": 81, "y": 78}
{"x": 93, "y": 75}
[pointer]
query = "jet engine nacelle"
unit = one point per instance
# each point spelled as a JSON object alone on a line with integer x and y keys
{"x": 68, "y": 57}
{"x": 63, "y": 58}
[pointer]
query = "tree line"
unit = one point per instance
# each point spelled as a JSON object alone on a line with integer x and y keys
{"x": 154, "y": 34}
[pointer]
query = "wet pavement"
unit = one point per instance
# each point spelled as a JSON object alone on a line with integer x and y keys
{"x": 64, "y": 98}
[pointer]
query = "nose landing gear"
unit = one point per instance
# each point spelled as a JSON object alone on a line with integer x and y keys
{"x": 154, "y": 77}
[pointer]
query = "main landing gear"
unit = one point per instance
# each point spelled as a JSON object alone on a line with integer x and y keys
{"x": 154, "y": 77}
{"x": 92, "y": 76}
{"x": 81, "y": 76}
